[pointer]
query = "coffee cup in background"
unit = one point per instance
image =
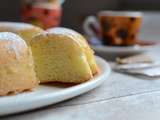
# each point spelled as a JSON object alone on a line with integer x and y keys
{"x": 114, "y": 28}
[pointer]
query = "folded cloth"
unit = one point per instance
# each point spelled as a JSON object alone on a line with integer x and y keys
{"x": 149, "y": 72}
{"x": 142, "y": 64}
{"x": 136, "y": 66}
{"x": 141, "y": 58}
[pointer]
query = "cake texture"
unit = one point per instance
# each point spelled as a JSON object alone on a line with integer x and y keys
{"x": 16, "y": 65}
{"x": 24, "y": 30}
{"x": 82, "y": 41}
{"x": 59, "y": 58}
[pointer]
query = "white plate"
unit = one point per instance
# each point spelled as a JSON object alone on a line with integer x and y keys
{"x": 111, "y": 52}
{"x": 46, "y": 95}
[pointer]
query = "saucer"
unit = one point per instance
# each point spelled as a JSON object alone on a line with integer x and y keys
{"x": 112, "y": 52}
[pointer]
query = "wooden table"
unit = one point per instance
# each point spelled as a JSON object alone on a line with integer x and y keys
{"x": 121, "y": 97}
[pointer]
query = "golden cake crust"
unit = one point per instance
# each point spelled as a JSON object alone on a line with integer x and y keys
{"x": 16, "y": 65}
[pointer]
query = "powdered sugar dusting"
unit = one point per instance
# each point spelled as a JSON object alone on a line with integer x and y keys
{"x": 14, "y": 26}
{"x": 65, "y": 31}
{"x": 17, "y": 44}
{"x": 62, "y": 30}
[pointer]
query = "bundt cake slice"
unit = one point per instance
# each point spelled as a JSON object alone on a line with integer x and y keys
{"x": 16, "y": 65}
{"x": 79, "y": 38}
{"x": 24, "y": 30}
{"x": 59, "y": 58}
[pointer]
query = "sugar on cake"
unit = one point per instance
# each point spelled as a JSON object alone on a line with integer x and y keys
{"x": 60, "y": 57}
{"x": 82, "y": 41}
{"x": 16, "y": 65}
{"x": 24, "y": 30}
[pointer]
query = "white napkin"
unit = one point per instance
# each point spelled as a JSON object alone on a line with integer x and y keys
{"x": 142, "y": 64}
{"x": 149, "y": 72}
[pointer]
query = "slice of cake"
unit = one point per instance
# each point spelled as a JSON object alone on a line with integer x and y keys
{"x": 24, "y": 30}
{"x": 60, "y": 58}
{"x": 16, "y": 65}
{"x": 84, "y": 44}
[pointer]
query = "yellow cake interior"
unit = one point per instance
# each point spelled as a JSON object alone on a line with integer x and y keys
{"x": 59, "y": 58}
{"x": 84, "y": 44}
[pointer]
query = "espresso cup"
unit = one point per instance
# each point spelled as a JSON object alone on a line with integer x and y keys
{"x": 116, "y": 28}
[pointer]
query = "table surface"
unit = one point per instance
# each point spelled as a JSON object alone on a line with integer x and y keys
{"x": 120, "y": 97}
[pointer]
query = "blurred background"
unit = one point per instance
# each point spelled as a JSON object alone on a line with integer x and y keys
{"x": 75, "y": 11}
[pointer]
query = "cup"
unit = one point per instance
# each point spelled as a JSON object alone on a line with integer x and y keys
{"x": 116, "y": 28}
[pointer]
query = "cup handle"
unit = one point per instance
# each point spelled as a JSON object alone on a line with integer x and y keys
{"x": 91, "y": 27}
